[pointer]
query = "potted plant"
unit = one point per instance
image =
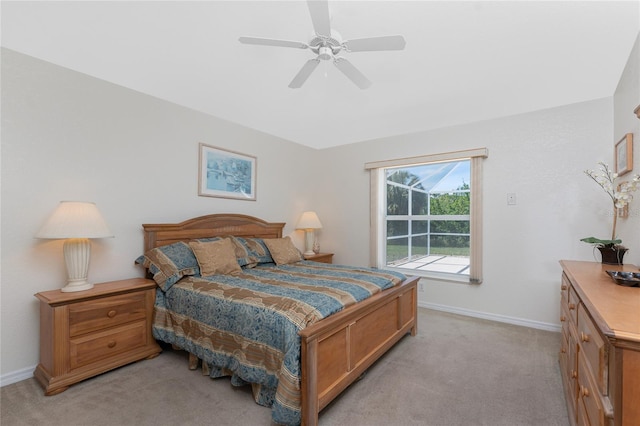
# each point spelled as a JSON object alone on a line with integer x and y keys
{"x": 612, "y": 249}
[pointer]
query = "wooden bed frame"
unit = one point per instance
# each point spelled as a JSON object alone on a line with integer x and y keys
{"x": 336, "y": 350}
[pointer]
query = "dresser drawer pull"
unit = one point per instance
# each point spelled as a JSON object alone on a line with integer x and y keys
{"x": 572, "y": 306}
{"x": 563, "y": 351}
{"x": 111, "y": 344}
{"x": 584, "y": 391}
{"x": 111, "y": 313}
{"x": 574, "y": 374}
{"x": 563, "y": 318}
{"x": 584, "y": 337}
{"x": 563, "y": 287}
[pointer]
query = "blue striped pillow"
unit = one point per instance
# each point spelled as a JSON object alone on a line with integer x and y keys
{"x": 170, "y": 263}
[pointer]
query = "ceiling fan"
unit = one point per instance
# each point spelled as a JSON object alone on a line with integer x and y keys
{"x": 327, "y": 45}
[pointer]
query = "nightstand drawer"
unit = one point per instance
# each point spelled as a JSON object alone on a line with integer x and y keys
{"x": 96, "y": 346}
{"x": 99, "y": 314}
{"x": 320, "y": 257}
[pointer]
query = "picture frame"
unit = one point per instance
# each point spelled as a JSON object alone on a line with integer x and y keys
{"x": 624, "y": 155}
{"x": 226, "y": 174}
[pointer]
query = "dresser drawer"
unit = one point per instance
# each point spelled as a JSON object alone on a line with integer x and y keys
{"x": 583, "y": 420}
{"x": 93, "y": 347}
{"x": 564, "y": 288}
{"x": 100, "y": 314}
{"x": 573, "y": 305}
{"x": 572, "y": 364}
{"x": 565, "y": 317}
{"x": 594, "y": 350}
{"x": 593, "y": 402}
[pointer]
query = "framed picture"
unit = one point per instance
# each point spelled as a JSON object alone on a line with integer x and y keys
{"x": 226, "y": 174}
{"x": 624, "y": 154}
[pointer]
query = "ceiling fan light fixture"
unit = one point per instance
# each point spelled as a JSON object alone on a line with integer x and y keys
{"x": 325, "y": 53}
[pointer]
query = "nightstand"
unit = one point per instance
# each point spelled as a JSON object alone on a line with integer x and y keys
{"x": 86, "y": 333}
{"x": 320, "y": 257}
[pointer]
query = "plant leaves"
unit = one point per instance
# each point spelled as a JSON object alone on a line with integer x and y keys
{"x": 594, "y": 240}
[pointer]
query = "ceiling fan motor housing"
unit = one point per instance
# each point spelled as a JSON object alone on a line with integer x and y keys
{"x": 326, "y": 47}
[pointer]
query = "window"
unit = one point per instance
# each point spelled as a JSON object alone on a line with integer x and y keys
{"x": 426, "y": 215}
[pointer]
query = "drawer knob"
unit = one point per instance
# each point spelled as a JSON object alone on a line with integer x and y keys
{"x": 574, "y": 374}
{"x": 584, "y": 337}
{"x": 572, "y": 306}
{"x": 563, "y": 351}
{"x": 563, "y": 318}
{"x": 584, "y": 391}
{"x": 111, "y": 313}
{"x": 111, "y": 344}
{"x": 563, "y": 287}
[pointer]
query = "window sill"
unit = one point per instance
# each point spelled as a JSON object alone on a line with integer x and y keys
{"x": 455, "y": 278}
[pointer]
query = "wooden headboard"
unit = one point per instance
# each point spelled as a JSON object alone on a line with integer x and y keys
{"x": 213, "y": 225}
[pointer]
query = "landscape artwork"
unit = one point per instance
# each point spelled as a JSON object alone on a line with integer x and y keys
{"x": 226, "y": 174}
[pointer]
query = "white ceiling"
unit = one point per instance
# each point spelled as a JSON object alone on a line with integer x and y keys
{"x": 463, "y": 62}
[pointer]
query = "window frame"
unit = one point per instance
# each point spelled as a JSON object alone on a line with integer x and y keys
{"x": 378, "y": 207}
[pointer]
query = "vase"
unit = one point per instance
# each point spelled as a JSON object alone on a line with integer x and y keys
{"x": 612, "y": 255}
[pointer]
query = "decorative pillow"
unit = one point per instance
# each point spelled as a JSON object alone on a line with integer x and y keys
{"x": 251, "y": 251}
{"x": 170, "y": 263}
{"x": 216, "y": 257}
{"x": 282, "y": 250}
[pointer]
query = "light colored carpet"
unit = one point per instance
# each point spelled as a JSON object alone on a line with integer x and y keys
{"x": 456, "y": 371}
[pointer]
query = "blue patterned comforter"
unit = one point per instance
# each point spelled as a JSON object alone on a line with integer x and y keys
{"x": 247, "y": 325}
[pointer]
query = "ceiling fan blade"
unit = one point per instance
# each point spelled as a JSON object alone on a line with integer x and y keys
{"x": 273, "y": 42}
{"x": 304, "y": 73}
{"x": 394, "y": 42}
{"x": 352, "y": 73}
{"x": 319, "y": 10}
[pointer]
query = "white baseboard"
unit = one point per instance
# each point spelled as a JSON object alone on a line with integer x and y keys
{"x": 492, "y": 317}
{"x": 17, "y": 376}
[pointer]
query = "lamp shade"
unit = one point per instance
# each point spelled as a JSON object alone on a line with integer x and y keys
{"x": 73, "y": 219}
{"x": 309, "y": 220}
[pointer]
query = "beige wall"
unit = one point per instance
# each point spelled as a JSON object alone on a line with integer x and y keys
{"x": 68, "y": 136}
{"x": 626, "y": 100}
{"x": 539, "y": 156}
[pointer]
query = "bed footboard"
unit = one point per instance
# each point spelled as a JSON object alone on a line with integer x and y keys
{"x": 344, "y": 345}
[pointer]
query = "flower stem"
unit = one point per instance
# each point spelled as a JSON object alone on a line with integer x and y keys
{"x": 615, "y": 219}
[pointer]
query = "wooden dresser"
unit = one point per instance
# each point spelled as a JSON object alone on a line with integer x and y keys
{"x": 600, "y": 349}
{"x": 86, "y": 333}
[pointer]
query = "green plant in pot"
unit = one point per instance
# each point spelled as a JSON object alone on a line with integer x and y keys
{"x": 612, "y": 249}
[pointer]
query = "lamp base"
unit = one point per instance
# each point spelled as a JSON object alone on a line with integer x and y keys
{"x": 309, "y": 238}
{"x": 77, "y": 253}
{"x": 76, "y": 286}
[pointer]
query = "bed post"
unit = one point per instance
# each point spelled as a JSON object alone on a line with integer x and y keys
{"x": 309, "y": 381}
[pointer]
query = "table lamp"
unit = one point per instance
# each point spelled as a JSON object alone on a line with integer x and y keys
{"x": 309, "y": 222}
{"x": 76, "y": 222}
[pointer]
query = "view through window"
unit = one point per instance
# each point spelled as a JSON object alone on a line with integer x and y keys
{"x": 428, "y": 217}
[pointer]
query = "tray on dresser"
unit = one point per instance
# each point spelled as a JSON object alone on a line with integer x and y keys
{"x": 627, "y": 279}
